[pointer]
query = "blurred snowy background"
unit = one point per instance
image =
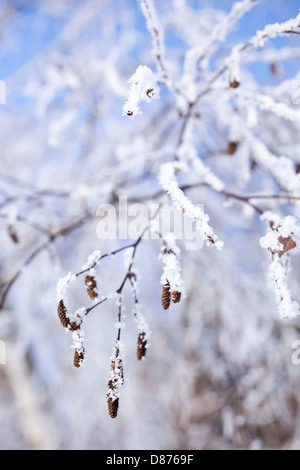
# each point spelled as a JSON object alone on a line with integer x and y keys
{"x": 218, "y": 374}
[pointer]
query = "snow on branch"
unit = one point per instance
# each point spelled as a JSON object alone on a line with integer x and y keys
{"x": 279, "y": 241}
{"x": 154, "y": 28}
{"x": 281, "y": 168}
{"x": 261, "y": 37}
{"x": 62, "y": 287}
{"x": 197, "y": 57}
{"x": 143, "y": 87}
{"x": 266, "y": 103}
{"x": 274, "y": 30}
{"x": 188, "y": 154}
{"x": 167, "y": 178}
{"x": 92, "y": 261}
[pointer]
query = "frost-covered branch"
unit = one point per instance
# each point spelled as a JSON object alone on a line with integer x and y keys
{"x": 198, "y": 57}
{"x": 279, "y": 241}
{"x": 157, "y": 38}
{"x": 143, "y": 87}
{"x": 281, "y": 168}
{"x": 167, "y": 178}
{"x": 271, "y": 31}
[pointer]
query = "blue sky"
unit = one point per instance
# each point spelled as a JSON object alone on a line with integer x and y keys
{"x": 32, "y": 31}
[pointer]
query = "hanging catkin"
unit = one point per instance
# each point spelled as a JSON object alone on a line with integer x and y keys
{"x": 112, "y": 401}
{"x": 91, "y": 287}
{"x": 78, "y": 358}
{"x": 176, "y": 297}
{"x": 115, "y": 381}
{"x": 62, "y": 314}
{"x": 141, "y": 346}
{"x": 166, "y": 296}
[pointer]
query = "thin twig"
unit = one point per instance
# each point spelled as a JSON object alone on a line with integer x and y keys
{"x": 127, "y": 276}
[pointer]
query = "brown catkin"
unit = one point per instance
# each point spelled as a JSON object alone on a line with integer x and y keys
{"x": 78, "y": 358}
{"x": 113, "y": 406}
{"x": 166, "y": 296}
{"x": 113, "y": 403}
{"x": 176, "y": 297}
{"x": 141, "y": 346}
{"x": 119, "y": 367}
{"x": 91, "y": 287}
{"x": 62, "y": 314}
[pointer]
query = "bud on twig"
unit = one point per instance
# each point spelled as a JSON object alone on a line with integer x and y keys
{"x": 13, "y": 234}
{"x": 232, "y": 148}
{"x": 274, "y": 69}
{"x": 234, "y": 84}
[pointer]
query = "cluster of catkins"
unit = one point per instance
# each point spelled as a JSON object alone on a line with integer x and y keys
{"x": 167, "y": 296}
{"x": 75, "y": 325}
{"x": 171, "y": 277}
{"x": 172, "y": 292}
{"x": 116, "y": 378}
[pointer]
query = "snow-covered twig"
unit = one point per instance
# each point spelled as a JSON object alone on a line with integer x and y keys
{"x": 279, "y": 241}
{"x": 281, "y": 168}
{"x": 198, "y": 57}
{"x": 188, "y": 154}
{"x": 167, "y": 178}
{"x": 270, "y": 31}
{"x": 157, "y": 38}
{"x": 143, "y": 87}
{"x": 267, "y": 103}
